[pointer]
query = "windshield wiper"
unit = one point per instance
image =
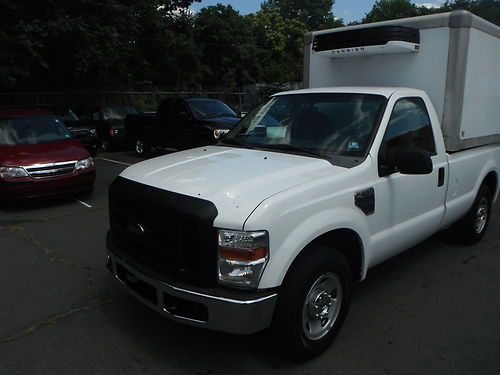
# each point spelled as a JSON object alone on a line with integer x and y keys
{"x": 216, "y": 115}
{"x": 285, "y": 147}
{"x": 234, "y": 142}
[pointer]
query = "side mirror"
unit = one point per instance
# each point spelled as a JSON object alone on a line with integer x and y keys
{"x": 413, "y": 162}
{"x": 182, "y": 116}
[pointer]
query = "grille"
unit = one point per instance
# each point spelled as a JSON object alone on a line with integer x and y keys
{"x": 168, "y": 232}
{"x": 80, "y": 133}
{"x": 372, "y": 36}
{"x": 51, "y": 170}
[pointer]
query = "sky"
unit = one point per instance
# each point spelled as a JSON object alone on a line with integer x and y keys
{"x": 349, "y": 10}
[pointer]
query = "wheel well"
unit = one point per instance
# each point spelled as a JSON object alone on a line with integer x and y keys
{"x": 491, "y": 180}
{"x": 349, "y": 244}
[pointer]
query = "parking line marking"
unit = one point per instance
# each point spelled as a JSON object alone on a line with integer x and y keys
{"x": 113, "y": 161}
{"x": 85, "y": 204}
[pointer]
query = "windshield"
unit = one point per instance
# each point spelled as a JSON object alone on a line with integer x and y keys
{"x": 210, "y": 108}
{"x": 117, "y": 112}
{"x": 331, "y": 126}
{"x": 32, "y": 131}
{"x": 67, "y": 115}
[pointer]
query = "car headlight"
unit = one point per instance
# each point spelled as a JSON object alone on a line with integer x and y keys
{"x": 220, "y": 132}
{"x": 242, "y": 257}
{"x": 84, "y": 164}
{"x": 12, "y": 172}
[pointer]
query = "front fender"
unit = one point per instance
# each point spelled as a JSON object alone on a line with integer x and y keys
{"x": 290, "y": 234}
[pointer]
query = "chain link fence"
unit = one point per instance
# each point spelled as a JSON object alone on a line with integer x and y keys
{"x": 142, "y": 100}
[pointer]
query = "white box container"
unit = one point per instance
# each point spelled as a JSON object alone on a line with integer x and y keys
{"x": 454, "y": 57}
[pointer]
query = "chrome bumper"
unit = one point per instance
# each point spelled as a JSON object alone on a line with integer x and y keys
{"x": 240, "y": 315}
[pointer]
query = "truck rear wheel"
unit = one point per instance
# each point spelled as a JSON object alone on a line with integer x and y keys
{"x": 142, "y": 147}
{"x": 313, "y": 303}
{"x": 472, "y": 227}
{"x": 106, "y": 144}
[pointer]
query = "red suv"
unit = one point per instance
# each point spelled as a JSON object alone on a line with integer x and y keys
{"x": 39, "y": 157}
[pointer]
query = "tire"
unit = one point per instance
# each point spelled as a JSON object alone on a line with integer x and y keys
{"x": 472, "y": 227}
{"x": 142, "y": 147}
{"x": 105, "y": 144}
{"x": 304, "y": 329}
{"x": 93, "y": 150}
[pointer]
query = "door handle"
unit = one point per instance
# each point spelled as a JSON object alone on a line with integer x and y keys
{"x": 441, "y": 176}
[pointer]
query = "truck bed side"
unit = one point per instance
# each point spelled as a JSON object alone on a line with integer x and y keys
{"x": 467, "y": 171}
{"x": 134, "y": 124}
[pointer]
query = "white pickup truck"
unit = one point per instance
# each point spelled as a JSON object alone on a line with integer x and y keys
{"x": 270, "y": 227}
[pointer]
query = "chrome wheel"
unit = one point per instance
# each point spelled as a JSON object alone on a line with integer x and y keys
{"x": 481, "y": 215}
{"x": 105, "y": 145}
{"x": 322, "y": 306}
{"x": 139, "y": 146}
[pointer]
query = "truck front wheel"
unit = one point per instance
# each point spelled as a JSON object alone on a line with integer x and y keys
{"x": 313, "y": 302}
{"x": 471, "y": 228}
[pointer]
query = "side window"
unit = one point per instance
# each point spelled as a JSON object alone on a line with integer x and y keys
{"x": 97, "y": 116}
{"x": 181, "y": 112}
{"x": 409, "y": 127}
{"x": 166, "y": 111}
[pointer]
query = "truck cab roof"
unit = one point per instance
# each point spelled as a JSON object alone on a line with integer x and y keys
{"x": 374, "y": 90}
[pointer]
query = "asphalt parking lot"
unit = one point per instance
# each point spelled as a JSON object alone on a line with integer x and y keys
{"x": 434, "y": 309}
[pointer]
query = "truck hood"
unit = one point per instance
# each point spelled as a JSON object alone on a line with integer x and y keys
{"x": 236, "y": 180}
{"x": 115, "y": 124}
{"x": 221, "y": 122}
{"x": 25, "y": 155}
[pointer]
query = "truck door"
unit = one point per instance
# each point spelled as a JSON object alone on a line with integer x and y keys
{"x": 183, "y": 126}
{"x": 161, "y": 132}
{"x": 411, "y": 206}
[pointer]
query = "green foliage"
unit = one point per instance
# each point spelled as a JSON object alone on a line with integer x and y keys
{"x": 158, "y": 44}
{"x": 393, "y": 9}
{"x": 88, "y": 44}
{"x": 487, "y": 9}
{"x": 227, "y": 45}
{"x": 390, "y": 9}
{"x": 280, "y": 44}
{"x": 314, "y": 14}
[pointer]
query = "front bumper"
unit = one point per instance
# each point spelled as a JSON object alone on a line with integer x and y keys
{"x": 18, "y": 189}
{"x": 119, "y": 138}
{"x": 215, "y": 308}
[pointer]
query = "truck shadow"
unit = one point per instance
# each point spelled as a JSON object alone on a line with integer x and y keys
{"x": 380, "y": 298}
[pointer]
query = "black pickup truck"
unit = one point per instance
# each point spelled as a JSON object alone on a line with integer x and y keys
{"x": 108, "y": 120}
{"x": 180, "y": 124}
{"x": 80, "y": 130}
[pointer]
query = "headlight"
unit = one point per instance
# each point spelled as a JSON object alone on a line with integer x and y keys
{"x": 113, "y": 132}
{"x": 12, "y": 172}
{"x": 84, "y": 164}
{"x": 220, "y": 132}
{"x": 242, "y": 257}
{"x": 92, "y": 131}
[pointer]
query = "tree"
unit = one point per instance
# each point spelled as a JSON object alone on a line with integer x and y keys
{"x": 394, "y": 9}
{"x": 228, "y": 47}
{"x": 61, "y": 44}
{"x": 280, "y": 44}
{"x": 390, "y": 9}
{"x": 315, "y": 14}
{"x": 487, "y": 9}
